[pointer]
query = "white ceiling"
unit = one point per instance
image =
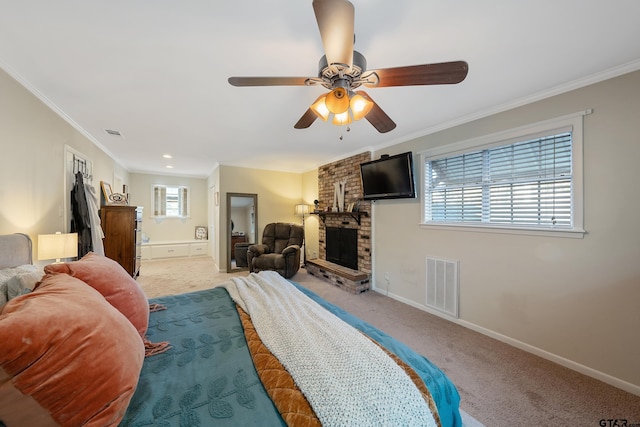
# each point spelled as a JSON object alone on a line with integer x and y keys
{"x": 157, "y": 70}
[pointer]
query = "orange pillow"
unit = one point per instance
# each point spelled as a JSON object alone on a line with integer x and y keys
{"x": 113, "y": 282}
{"x": 67, "y": 358}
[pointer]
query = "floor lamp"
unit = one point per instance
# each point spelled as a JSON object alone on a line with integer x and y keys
{"x": 302, "y": 210}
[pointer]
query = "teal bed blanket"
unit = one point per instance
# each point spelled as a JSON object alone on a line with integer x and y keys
{"x": 207, "y": 378}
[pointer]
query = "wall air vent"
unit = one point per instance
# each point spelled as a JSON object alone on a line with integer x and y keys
{"x": 442, "y": 285}
{"x": 113, "y": 132}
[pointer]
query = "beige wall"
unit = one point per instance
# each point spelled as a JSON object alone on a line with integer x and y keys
{"x": 573, "y": 300}
{"x": 278, "y": 193}
{"x": 168, "y": 229}
{"x": 32, "y": 147}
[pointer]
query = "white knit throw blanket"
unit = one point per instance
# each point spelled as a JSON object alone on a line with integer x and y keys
{"x": 347, "y": 379}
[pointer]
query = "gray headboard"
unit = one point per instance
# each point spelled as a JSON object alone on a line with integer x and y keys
{"x": 15, "y": 250}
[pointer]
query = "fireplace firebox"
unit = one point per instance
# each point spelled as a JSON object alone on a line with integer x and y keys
{"x": 342, "y": 246}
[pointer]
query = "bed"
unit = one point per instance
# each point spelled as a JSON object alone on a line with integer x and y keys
{"x": 219, "y": 357}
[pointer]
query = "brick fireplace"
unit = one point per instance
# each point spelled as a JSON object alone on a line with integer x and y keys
{"x": 354, "y": 280}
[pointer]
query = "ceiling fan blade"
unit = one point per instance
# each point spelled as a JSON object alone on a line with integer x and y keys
{"x": 268, "y": 81}
{"x": 428, "y": 74}
{"x": 306, "y": 120}
{"x": 377, "y": 117}
{"x": 336, "y": 21}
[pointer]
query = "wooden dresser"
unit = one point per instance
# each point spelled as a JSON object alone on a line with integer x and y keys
{"x": 123, "y": 235}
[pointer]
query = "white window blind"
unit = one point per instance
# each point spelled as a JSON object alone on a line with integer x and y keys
{"x": 525, "y": 183}
{"x": 184, "y": 201}
{"x": 170, "y": 201}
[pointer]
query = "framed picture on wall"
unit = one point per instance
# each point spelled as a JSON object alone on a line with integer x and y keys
{"x": 201, "y": 232}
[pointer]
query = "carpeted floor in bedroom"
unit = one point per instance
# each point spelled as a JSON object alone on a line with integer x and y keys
{"x": 500, "y": 385}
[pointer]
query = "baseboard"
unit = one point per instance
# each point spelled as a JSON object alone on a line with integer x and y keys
{"x": 567, "y": 363}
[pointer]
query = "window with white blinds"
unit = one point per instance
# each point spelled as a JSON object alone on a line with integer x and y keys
{"x": 527, "y": 182}
{"x": 170, "y": 202}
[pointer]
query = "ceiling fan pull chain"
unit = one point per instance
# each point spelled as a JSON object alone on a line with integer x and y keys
{"x": 348, "y": 130}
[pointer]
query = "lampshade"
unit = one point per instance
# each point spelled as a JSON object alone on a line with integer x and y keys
{"x": 320, "y": 107}
{"x": 360, "y": 106}
{"x": 337, "y": 100}
{"x": 342, "y": 119}
{"x": 57, "y": 246}
{"x": 301, "y": 210}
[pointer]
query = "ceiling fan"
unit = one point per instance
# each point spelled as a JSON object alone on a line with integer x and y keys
{"x": 342, "y": 70}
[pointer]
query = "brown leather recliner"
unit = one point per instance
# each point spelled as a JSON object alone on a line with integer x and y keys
{"x": 279, "y": 251}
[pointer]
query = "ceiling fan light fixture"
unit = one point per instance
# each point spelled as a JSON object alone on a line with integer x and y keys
{"x": 342, "y": 119}
{"x": 360, "y": 106}
{"x": 319, "y": 107}
{"x": 337, "y": 101}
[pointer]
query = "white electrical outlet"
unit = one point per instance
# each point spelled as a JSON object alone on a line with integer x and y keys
{"x": 386, "y": 275}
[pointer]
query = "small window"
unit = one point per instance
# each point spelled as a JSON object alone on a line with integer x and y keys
{"x": 527, "y": 182}
{"x": 170, "y": 202}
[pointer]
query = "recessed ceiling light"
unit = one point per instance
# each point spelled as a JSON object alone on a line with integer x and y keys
{"x": 167, "y": 156}
{"x": 169, "y": 167}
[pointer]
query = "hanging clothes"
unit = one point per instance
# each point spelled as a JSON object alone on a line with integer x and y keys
{"x": 80, "y": 218}
{"x": 96, "y": 228}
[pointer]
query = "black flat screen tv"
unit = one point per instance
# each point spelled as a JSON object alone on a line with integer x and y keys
{"x": 390, "y": 177}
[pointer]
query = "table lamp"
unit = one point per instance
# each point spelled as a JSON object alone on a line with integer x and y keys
{"x": 57, "y": 246}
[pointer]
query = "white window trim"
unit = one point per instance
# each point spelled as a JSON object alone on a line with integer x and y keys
{"x": 575, "y": 121}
